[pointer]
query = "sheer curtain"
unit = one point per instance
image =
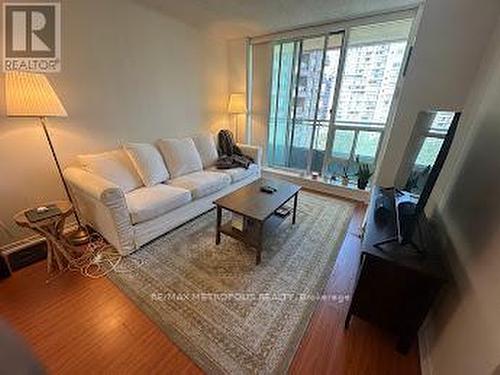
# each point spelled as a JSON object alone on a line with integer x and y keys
{"x": 261, "y": 81}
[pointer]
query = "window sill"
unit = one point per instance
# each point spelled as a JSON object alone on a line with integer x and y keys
{"x": 333, "y": 188}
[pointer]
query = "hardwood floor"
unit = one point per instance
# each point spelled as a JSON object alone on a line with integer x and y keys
{"x": 76, "y": 325}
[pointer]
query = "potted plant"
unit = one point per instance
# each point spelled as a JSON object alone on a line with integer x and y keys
{"x": 363, "y": 174}
{"x": 345, "y": 176}
{"x": 416, "y": 176}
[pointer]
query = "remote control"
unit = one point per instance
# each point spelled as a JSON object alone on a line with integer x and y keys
{"x": 267, "y": 189}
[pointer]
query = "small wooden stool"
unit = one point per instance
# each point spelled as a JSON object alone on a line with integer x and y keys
{"x": 58, "y": 252}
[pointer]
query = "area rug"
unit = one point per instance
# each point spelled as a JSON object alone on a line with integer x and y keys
{"x": 226, "y": 313}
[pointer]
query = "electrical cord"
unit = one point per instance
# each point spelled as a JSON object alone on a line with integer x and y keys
{"x": 98, "y": 259}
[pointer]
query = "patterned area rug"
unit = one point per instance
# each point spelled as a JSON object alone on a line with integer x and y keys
{"x": 223, "y": 311}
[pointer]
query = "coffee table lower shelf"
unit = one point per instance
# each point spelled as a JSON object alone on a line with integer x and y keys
{"x": 253, "y": 233}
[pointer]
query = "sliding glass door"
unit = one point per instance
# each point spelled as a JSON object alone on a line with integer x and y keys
{"x": 331, "y": 96}
{"x": 304, "y": 78}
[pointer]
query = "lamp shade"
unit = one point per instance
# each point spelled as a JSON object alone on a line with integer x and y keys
{"x": 237, "y": 103}
{"x": 31, "y": 95}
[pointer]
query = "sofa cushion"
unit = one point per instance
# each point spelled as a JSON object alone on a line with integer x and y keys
{"x": 149, "y": 202}
{"x": 238, "y": 174}
{"x": 148, "y": 163}
{"x": 114, "y": 166}
{"x": 202, "y": 183}
{"x": 205, "y": 144}
{"x": 180, "y": 155}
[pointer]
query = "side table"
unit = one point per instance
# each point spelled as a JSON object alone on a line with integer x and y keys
{"x": 58, "y": 254}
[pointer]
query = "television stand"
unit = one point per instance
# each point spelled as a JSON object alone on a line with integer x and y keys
{"x": 393, "y": 290}
{"x": 412, "y": 244}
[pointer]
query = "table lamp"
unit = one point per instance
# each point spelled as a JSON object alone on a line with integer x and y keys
{"x": 31, "y": 95}
{"x": 237, "y": 105}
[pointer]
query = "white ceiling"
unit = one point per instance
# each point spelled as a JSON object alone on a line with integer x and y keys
{"x": 231, "y": 19}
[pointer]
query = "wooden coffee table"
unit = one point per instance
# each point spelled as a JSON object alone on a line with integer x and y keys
{"x": 258, "y": 211}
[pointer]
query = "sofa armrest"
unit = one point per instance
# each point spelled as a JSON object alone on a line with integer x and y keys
{"x": 92, "y": 185}
{"x": 102, "y": 204}
{"x": 255, "y": 152}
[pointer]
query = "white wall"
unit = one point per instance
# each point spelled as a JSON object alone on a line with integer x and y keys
{"x": 463, "y": 333}
{"x": 128, "y": 73}
{"x": 236, "y": 51}
{"x": 450, "y": 42}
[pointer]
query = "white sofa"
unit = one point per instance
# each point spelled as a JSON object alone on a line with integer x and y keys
{"x": 136, "y": 193}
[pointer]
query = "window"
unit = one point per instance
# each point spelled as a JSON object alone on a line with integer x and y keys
{"x": 434, "y": 138}
{"x": 342, "y": 144}
{"x": 367, "y": 145}
{"x": 428, "y": 152}
{"x": 324, "y": 113}
{"x": 430, "y": 132}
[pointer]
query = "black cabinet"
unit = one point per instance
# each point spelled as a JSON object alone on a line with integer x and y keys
{"x": 4, "y": 268}
{"x": 396, "y": 285}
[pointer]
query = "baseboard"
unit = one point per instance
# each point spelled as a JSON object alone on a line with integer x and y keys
{"x": 319, "y": 185}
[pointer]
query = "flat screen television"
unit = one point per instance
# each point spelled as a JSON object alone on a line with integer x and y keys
{"x": 426, "y": 154}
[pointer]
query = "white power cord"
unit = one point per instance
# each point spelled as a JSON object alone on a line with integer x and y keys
{"x": 98, "y": 259}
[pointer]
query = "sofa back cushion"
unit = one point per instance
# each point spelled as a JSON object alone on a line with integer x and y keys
{"x": 148, "y": 163}
{"x": 180, "y": 155}
{"x": 205, "y": 144}
{"x": 114, "y": 166}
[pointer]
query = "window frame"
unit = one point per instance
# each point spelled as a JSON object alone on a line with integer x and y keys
{"x": 413, "y": 12}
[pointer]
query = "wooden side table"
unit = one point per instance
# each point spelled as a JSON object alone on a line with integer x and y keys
{"x": 58, "y": 254}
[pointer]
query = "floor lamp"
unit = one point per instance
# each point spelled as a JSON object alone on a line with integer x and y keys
{"x": 237, "y": 106}
{"x": 30, "y": 95}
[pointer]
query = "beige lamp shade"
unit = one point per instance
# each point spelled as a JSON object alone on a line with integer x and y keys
{"x": 237, "y": 103}
{"x": 31, "y": 95}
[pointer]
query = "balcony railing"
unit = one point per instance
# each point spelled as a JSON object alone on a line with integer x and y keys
{"x": 303, "y": 146}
